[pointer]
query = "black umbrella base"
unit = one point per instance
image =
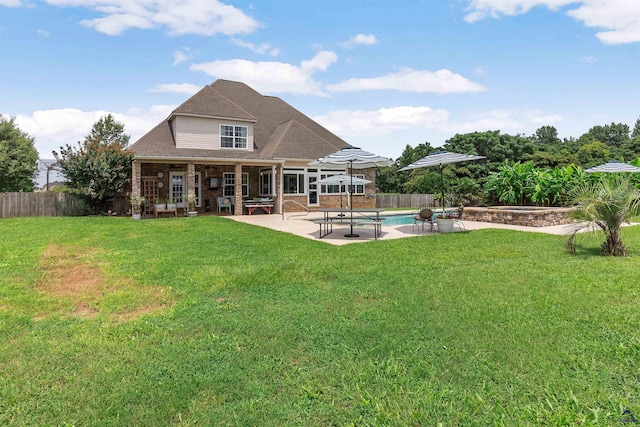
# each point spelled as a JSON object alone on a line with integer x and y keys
{"x": 351, "y": 235}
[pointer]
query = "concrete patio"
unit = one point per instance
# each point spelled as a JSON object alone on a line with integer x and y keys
{"x": 303, "y": 226}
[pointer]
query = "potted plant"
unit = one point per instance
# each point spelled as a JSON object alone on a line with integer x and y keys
{"x": 191, "y": 205}
{"x": 136, "y": 206}
{"x": 160, "y": 204}
{"x": 445, "y": 222}
{"x": 172, "y": 204}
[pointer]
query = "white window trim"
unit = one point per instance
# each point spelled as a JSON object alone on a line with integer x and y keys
{"x": 235, "y": 138}
{"x": 198, "y": 189}
{"x": 245, "y": 183}
{"x": 172, "y": 196}
{"x": 264, "y": 175}
{"x": 297, "y": 172}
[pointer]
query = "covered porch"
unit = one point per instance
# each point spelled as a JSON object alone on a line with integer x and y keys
{"x": 209, "y": 182}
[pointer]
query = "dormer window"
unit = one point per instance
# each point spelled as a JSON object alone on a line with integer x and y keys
{"x": 233, "y": 136}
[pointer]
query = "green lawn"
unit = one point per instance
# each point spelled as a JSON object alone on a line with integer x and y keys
{"x": 205, "y": 321}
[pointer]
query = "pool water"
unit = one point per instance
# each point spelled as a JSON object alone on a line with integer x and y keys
{"x": 402, "y": 219}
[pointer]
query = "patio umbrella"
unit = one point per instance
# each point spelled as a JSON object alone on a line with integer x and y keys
{"x": 440, "y": 158}
{"x": 355, "y": 158}
{"x": 614, "y": 166}
{"x": 340, "y": 180}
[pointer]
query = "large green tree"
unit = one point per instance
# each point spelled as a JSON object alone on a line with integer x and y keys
{"x": 613, "y": 135}
{"x": 635, "y": 133}
{"x": 18, "y": 157}
{"x": 389, "y": 180}
{"x": 97, "y": 168}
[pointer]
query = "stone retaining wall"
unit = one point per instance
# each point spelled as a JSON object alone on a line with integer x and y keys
{"x": 536, "y": 217}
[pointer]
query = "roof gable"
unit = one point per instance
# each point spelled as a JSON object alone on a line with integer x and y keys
{"x": 272, "y": 112}
{"x": 294, "y": 140}
{"x": 210, "y": 103}
{"x": 279, "y": 130}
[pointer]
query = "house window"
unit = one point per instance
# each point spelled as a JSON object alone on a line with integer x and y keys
{"x": 197, "y": 189}
{"x": 335, "y": 189}
{"x": 265, "y": 184}
{"x": 330, "y": 189}
{"x": 229, "y": 181}
{"x": 293, "y": 182}
{"x": 359, "y": 189}
{"x": 233, "y": 136}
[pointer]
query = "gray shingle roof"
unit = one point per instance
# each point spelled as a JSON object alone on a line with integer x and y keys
{"x": 208, "y": 102}
{"x": 280, "y": 131}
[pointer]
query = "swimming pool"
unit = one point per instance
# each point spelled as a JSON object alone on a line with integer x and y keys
{"x": 400, "y": 219}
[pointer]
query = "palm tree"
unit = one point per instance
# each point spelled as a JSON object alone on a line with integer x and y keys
{"x": 605, "y": 204}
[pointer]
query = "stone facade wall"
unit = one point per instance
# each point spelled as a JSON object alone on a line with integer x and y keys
{"x": 529, "y": 218}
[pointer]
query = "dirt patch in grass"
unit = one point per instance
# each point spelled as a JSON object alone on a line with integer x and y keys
{"x": 75, "y": 277}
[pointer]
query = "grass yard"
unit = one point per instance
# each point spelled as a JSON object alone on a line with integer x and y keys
{"x": 205, "y": 321}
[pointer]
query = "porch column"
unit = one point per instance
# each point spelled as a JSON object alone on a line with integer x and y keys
{"x": 279, "y": 185}
{"x": 237, "y": 210}
{"x": 274, "y": 192}
{"x": 135, "y": 178}
{"x": 191, "y": 180}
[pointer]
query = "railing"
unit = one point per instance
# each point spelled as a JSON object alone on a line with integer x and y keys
{"x": 295, "y": 203}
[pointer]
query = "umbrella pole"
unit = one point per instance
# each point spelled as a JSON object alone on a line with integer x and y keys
{"x": 351, "y": 201}
{"x": 442, "y": 184}
{"x": 341, "y": 214}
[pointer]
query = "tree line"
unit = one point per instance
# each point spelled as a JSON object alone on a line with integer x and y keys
{"x": 518, "y": 169}
{"x": 96, "y": 168}
{"x": 542, "y": 159}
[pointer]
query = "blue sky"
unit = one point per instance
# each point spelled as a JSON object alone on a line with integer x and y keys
{"x": 381, "y": 74}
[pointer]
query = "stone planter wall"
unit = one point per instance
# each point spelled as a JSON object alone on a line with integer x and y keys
{"x": 519, "y": 215}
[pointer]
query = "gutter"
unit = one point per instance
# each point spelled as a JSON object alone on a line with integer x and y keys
{"x": 207, "y": 160}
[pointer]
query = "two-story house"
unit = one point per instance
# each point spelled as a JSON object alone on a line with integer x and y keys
{"x": 229, "y": 140}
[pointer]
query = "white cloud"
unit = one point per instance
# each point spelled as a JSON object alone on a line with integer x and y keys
{"x": 272, "y": 76}
{"x": 43, "y": 33}
{"x": 263, "y": 48}
{"x": 10, "y": 3}
{"x": 52, "y": 129}
{"x": 186, "y": 88}
{"x": 619, "y": 18}
{"x": 422, "y": 122}
{"x": 507, "y": 121}
{"x": 382, "y": 121}
{"x": 181, "y": 56}
{"x": 179, "y": 17}
{"x": 480, "y": 9}
{"x": 410, "y": 80}
{"x": 360, "y": 39}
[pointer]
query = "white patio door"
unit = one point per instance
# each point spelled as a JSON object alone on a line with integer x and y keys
{"x": 178, "y": 189}
{"x": 312, "y": 194}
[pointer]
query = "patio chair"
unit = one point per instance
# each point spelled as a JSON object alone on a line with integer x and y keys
{"x": 225, "y": 203}
{"x": 425, "y": 215}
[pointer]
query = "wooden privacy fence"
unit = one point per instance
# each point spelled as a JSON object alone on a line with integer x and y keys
{"x": 40, "y": 204}
{"x": 397, "y": 200}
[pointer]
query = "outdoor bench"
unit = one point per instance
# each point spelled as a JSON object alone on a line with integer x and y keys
{"x": 265, "y": 205}
{"x": 174, "y": 211}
